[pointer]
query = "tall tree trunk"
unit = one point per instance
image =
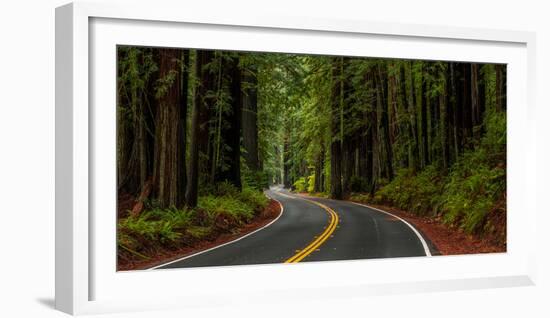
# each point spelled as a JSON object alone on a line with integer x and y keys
{"x": 322, "y": 175}
{"x": 207, "y": 95}
{"x": 434, "y": 110}
{"x": 444, "y": 127}
{"x": 474, "y": 93}
{"x": 215, "y": 147}
{"x": 168, "y": 139}
{"x": 140, "y": 140}
{"x": 405, "y": 123}
{"x": 459, "y": 106}
{"x": 336, "y": 122}
{"x": 424, "y": 122}
{"x": 467, "y": 102}
{"x": 347, "y": 115}
{"x": 500, "y": 70}
{"x": 412, "y": 119}
{"x": 445, "y": 121}
{"x": 434, "y": 127}
{"x": 319, "y": 164}
{"x": 182, "y": 129}
{"x": 451, "y": 110}
{"x": 199, "y": 127}
{"x": 362, "y": 156}
{"x": 382, "y": 90}
{"x": 286, "y": 163}
{"x": 347, "y": 164}
{"x": 369, "y": 149}
{"x": 232, "y": 135}
{"x": 250, "y": 119}
{"x": 482, "y": 101}
{"x": 122, "y": 129}
{"x": 372, "y": 135}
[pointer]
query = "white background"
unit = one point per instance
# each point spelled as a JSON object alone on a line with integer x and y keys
{"x": 27, "y": 159}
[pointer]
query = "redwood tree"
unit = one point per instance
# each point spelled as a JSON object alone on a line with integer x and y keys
{"x": 169, "y": 138}
{"x": 250, "y": 118}
{"x": 199, "y": 124}
{"x": 336, "y": 142}
{"x": 231, "y": 170}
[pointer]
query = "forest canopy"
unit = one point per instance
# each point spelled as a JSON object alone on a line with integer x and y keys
{"x": 428, "y": 137}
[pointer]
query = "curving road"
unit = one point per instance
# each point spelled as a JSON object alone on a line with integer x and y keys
{"x": 316, "y": 229}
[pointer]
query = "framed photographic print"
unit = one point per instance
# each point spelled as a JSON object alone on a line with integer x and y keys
{"x": 235, "y": 155}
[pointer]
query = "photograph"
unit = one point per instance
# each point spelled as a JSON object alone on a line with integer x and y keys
{"x": 228, "y": 158}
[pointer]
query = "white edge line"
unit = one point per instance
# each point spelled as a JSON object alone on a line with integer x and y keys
{"x": 424, "y": 244}
{"x": 226, "y": 243}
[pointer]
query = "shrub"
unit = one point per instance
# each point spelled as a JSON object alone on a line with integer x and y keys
{"x": 155, "y": 227}
{"x": 413, "y": 192}
{"x": 230, "y": 205}
{"x": 225, "y": 189}
{"x": 258, "y": 180}
{"x": 300, "y": 185}
{"x": 241, "y": 205}
{"x": 311, "y": 183}
{"x": 254, "y": 198}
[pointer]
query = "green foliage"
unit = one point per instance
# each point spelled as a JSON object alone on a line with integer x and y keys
{"x": 472, "y": 189}
{"x": 413, "y": 192}
{"x": 199, "y": 232}
{"x": 463, "y": 197}
{"x": 164, "y": 84}
{"x": 215, "y": 206}
{"x": 136, "y": 67}
{"x": 478, "y": 180}
{"x": 154, "y": 227}
{"x": 494, "y": 140}
{"x": 255, "y": 199}
{"x": 305, "y": 184}
{"x": 241, "y": 205}
{"x": 311, "y": 183}
{"x": 300, "y": 185}
{"x": 258, "y": 180}
{"x": 225, "y": 189}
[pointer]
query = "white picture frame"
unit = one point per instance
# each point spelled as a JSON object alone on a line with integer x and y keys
{"x": 86, "y": 281}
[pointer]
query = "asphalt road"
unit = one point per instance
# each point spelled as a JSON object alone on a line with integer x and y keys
{"x": 307, "y": 231}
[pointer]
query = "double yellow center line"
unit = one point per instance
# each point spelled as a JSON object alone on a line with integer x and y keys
{"x": 320, "y": 239}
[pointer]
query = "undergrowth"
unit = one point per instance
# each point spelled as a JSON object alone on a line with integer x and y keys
{"x": 300, "y": 185}
{"x": 153, "y": 230}
{"x": 465, "y": 195}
